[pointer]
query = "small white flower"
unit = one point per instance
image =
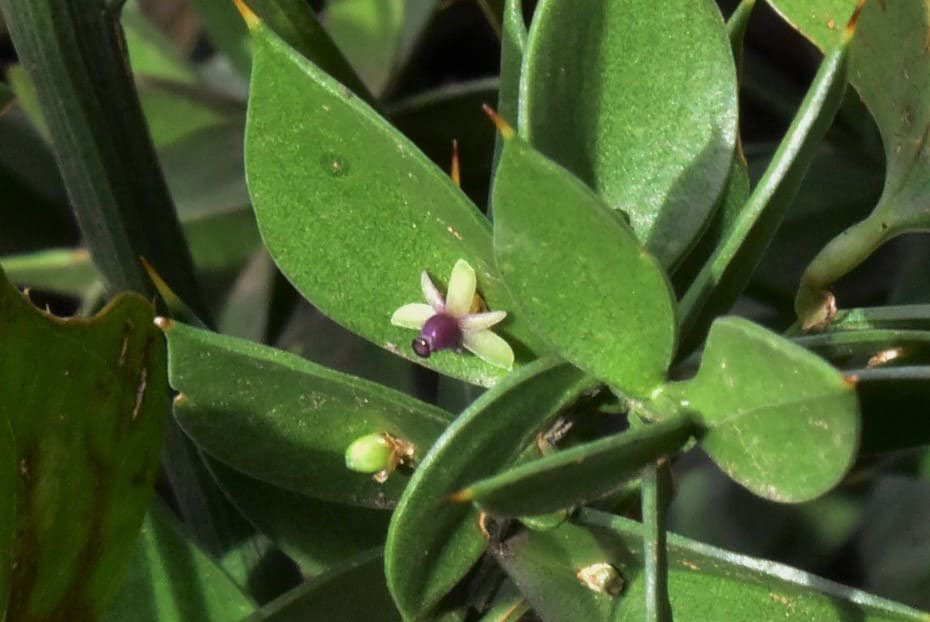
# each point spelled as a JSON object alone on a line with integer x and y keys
{"x": 449, "y": 323}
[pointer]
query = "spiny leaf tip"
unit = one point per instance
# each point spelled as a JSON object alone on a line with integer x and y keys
{"x": 853, "y": 21}
{"x": 502, "y": 126}
{"x": 462, "y": 496}
{"x": 251, "y": 19}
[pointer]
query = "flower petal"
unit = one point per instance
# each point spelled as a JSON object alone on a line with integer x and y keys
{"x": 461, "y": 290}
{"x": 489, "y": 347}
{"x": 481, "y": 321}
{"x": 413, "y": 315}
{"x": 432, "y": 295}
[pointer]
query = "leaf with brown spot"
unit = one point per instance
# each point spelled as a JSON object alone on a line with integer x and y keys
{"x": 85, "y": 401}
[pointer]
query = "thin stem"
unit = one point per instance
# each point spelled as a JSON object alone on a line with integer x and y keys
{"x": 655, "y": 497}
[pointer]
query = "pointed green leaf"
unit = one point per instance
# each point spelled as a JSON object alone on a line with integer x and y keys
{"x": 545, "y": 566}
{"x": 580, "y": 474}
{"x": 578, "y": 273}
{"x": 707, "y": 583}
{"x": 298, "y": 417}
{"x": 85, "y": 401}
{"x": 170, "y": 579}
{"x": 355, "y": 590}
{"x": 751, "y": 416}
{"x": 442, "y": 536}
{"x": 352, "y": 212}
{"x": 657, "y": 148}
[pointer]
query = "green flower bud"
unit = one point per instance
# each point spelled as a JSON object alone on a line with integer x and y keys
{"x": 370, "y": 453}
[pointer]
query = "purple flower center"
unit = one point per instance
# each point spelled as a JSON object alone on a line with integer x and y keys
{"x": 440, "y": 332}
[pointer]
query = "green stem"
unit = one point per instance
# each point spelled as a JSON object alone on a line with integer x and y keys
{"x": 74, "y": 52}
{"x": 656, "y": 496}
{"x": 814, "y": 304}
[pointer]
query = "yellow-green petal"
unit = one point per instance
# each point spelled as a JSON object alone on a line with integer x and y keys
{"x": 489, "y": 347}
{"x": 412, "y": 315}
{"x": 461, "y": 290}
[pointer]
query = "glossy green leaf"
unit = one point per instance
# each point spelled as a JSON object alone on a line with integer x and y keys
{"x": 707, "y": 583}
{"x": 85, "y": 401}
{"x": 894, "y": 406}
{"x": 316, "y": 534}
{"x": 579, "y": 474}
{"x": 888, "y": 67}
{"x": 609, "y": 309}
{"x": 355, "y": 590}
{"x": 299, "y": 417}
{"x": 342, "y": 193}
{"x": 545, "y": 567}
{"x": 657, "y": 149}
{"x": 170, "y": 579}
{"x": 726, "y": 273}
{"x": 750, "y": 417}
{"x": 444, "y": 537}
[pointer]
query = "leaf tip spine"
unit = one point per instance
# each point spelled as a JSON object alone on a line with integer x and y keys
{"x": 503, "y": 127}
{"x": 164, "y": 323}
{"x": 851, "y": 380}
{"x": 853, "y": 21}
{"x": 462, "y": 496}
{"x": 180, "y": 399}
{"x": 249, "y": 16}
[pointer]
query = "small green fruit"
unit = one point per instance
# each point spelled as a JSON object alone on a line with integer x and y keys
{"x": 370, "y": 453}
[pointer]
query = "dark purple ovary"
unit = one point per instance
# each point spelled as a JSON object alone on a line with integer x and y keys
{"x": 440, "y": 332}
